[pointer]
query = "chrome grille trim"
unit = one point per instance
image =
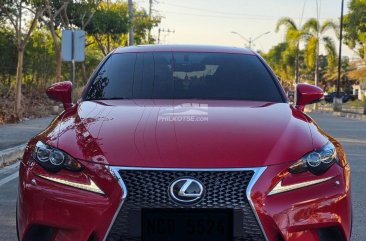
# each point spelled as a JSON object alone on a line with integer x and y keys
{"x": 114, "y": 172}
{"x": 257, "y": 174}
{"x": 258, "y": 171}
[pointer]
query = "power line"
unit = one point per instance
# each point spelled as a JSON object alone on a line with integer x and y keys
{"x": 268, "y": 18}
{"x": 302, "y": 13}
{"x": 212, "y": 11}
{"x": 221, "y": 13}
{"x": 251, "y": 40}
{"x": 168, "y": 31}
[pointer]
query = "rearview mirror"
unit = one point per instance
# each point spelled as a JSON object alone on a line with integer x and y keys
{"x": 61, "y": 92}
{"x": 307, "y": 94}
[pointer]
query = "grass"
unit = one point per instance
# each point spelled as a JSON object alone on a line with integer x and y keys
{"x": 355, "y": 104}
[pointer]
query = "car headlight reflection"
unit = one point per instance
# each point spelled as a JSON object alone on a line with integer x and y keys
{"x": 317, "y": 161}
{"x": 53, "y": 159}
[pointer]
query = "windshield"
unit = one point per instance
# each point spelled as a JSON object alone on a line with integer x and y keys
{"x": 165, "y": 75}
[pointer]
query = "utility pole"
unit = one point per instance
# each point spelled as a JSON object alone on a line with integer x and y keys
{"x": 150, "y": 15}
{"x": 73, "y": 69}
{"x": 340, "y": 51}
{"x": 150, "y": 7}
{"x": 131, "y": 33}
{"x": 297, "y": 61}
{"x": 317, "y": 46}
{"x": 337, "y": 101}
{"x": 164, "y": 31}
{"x": 151, "y": 2}
{"x": 297, "y": 64}
{"x": 251, "y": 40}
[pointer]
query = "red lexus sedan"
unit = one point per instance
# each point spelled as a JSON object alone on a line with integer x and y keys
{"x": 184, "y": 143}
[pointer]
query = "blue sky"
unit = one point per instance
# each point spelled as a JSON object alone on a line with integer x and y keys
{"x": 211, "y": 21}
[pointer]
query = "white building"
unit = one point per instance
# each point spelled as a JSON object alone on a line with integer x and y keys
{"x": 360, "y": 91}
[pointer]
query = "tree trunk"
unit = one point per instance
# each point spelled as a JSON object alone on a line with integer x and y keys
{"x": 83, "y": 71}
{"x": 316, "y": 77}
{"x": 364, "y": 52}
{"x": 58, "y": 63}
{"x": 108, "y": 43}
{"x": 18, "y": 93}
{"x": 297, "y": 71}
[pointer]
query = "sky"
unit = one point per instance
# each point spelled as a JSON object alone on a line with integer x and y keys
{"x": 212, "y": 21}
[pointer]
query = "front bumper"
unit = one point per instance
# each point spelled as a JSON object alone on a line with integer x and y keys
{"x": 68, "y": 213}
{"x": 309, "y": 213}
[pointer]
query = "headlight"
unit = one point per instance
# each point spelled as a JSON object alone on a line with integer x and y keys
{"x": 53, "y": 159}
{"x": 317, "y": 161}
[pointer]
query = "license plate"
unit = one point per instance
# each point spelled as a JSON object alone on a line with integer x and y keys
{"x": 187, "y": 224}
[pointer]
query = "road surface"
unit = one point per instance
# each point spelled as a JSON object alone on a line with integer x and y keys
{"x": 16, "y": 134}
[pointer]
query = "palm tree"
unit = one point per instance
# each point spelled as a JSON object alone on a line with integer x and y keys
{"x": 330, "y": 73}
{"x": 310, "y": 33}
{"x": 281, "y": 58}
{"x": 313, "y": 33}
{"x": 293, "y": 37}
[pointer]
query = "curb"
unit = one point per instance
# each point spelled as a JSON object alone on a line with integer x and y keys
{"x": 353, "y": 116}
{"x": 350, "y": 116}
{"x": 10, "y": 155}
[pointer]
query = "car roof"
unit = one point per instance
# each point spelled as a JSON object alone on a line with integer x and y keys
{"x": 184, "y": 48}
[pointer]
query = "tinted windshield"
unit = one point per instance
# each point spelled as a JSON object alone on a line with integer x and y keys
{"x": 166, "y": 75}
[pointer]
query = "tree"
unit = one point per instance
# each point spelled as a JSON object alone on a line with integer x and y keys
{"x": 110, "y": 22}
{"x": 14, "y": 11}
{"x": 293, "y": 37}
{"x": 281, "y": 58}
{"x": 52, "y": 21}
{"x": 355, "y": 27}
{"x": 143, "y": 23}
{"x": 8, "y": 56}
{"x": 67, "y": 14}
{"x": 332, "y": 57}
{"x": 38, "y": 65}
{"x": 110, "y": 25}
{"x": 313, "y": 33}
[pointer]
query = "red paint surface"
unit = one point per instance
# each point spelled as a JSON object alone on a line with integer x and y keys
{"x": 307, "y": 94}
{"x": 61, "y": 92}
{"x": 132, "y": 133}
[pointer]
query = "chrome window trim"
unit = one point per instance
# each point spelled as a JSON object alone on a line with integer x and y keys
{"x": 258, "y": 171}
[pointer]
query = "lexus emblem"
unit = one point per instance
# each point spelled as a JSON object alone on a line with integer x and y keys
{"x": 186, "y": 191}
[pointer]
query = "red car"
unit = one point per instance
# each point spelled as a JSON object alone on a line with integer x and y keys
{"x": 184, "y": 143}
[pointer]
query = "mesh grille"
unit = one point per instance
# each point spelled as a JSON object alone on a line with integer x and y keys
{"x": 149, "y": 189}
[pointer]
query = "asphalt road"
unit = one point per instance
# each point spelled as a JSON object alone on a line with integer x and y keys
{"x": 16, "y": 134}
{"x": 351, "y": 133}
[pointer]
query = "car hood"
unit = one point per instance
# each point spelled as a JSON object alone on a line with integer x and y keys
{"x": 183, "y": 134}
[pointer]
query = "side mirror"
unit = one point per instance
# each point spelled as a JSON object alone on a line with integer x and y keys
{"x": 307, "y": 94}
{"x": 61, "y": 92}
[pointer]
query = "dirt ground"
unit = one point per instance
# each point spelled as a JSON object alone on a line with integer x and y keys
{"x": 35, "y": 104}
